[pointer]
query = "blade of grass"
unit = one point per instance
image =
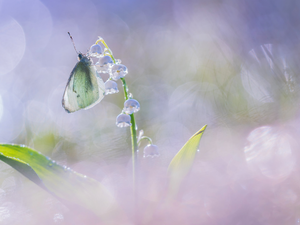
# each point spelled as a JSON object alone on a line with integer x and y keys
{"x": 182, "y": 163}
{"x": 24, "y": 169}
{"x": 61, "y": 181}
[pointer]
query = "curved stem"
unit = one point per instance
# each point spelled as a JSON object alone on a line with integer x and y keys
{"x": 100, "y": 39}
{"x": 145, "y": 137}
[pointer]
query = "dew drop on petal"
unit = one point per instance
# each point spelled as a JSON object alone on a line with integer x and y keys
{"x": 118, "y": 61}
{"x": 123, "y": 120}
{"x": 111, "y": 87}
{"x": 118, "y": 71}
{"x": 96, "y": 51}
{"x": 131, "y": 106}
{"x": 151, "y": 151}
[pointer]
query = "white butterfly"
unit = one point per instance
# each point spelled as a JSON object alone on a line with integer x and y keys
{"x": 85, "y": 88}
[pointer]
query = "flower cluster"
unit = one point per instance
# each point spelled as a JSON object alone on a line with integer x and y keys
{"x": 106, "y": 63}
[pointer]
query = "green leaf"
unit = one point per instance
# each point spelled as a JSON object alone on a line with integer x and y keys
{"x": 62, "y": 182}
{"x": 182, "y": 162}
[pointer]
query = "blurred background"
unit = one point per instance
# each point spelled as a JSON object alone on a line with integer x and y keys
{"x": 231, "y": 64}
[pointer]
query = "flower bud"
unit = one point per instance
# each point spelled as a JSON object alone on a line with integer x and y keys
{"x": 151, "y": 151}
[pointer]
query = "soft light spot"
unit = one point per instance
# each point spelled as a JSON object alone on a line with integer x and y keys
{"x": 12, "y": 44}
{"x": 270, "y": 151}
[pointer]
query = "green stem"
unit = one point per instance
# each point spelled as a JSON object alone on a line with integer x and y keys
{"x": 134, "y": 144}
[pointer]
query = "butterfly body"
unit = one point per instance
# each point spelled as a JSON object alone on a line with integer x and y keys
{"x": 85, "y": 87}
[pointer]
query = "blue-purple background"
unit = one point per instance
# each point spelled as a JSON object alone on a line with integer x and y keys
{"x": 231, "y": 64}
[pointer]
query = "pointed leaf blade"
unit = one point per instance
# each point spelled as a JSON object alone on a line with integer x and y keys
{"x": 61, "y": 181}
{"x": 182, "y": 162}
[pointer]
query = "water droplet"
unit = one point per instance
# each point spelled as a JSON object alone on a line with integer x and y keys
{"x": 118, "y": 71}
{"x": 130, "y": 96}
{"x": 198, "y": 150}
{"x": 118, "y": 61}
{"x": 136, "y": 126}
{"x": 123, "y": 120}
{"x": 131, "y": 106}
{"x": 58, "y": 218}
{"x": 22, "y": 146}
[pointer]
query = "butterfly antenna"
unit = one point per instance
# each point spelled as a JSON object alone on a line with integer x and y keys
{"x": 72, "y": 42}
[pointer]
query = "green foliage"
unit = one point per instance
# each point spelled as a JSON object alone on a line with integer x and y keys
{"x": 72, "y": 187}
{"x": 61, "y": 181}
{"x": 182, "y": 162}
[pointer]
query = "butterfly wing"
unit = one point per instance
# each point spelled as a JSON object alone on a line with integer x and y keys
{"x": 84, "y": 89}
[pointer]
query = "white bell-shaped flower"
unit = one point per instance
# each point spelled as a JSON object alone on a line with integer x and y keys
{"x": 131, "y": 106}
{"x": 111, "y": 87}
{"x": 96, "y": 51}
{"x": 118, "y": 71}
{"x": 151, "y": 151}
{"x": 104, "y": 64}
{"x": 123, "y": 120}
